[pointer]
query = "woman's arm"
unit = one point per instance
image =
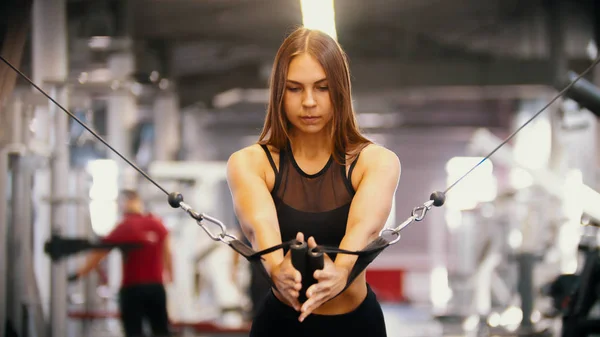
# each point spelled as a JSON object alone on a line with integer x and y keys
{"x": 255, "y": 210}
{"x": 372, "y": 202}
{"x": 253, "y": 204}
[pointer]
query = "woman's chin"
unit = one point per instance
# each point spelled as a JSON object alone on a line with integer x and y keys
{"x": 310, "y": 130}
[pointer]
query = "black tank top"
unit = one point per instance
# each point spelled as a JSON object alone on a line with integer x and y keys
{"x": 314, "y": 204}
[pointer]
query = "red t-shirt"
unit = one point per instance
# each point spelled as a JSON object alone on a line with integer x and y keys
{"x": 141, "y": 265}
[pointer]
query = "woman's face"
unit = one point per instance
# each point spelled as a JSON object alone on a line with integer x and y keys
{"x": 306, "y": 100}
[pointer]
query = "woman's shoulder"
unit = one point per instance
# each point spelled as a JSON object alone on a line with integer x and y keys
{"x": 252, "y": 155}
{"x": 376, "y": 154}
{"x": 376, "y": 150}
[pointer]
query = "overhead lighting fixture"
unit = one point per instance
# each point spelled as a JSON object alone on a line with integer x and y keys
{"x": 154, "y": 75}
{"x": 99, "y": 42}
{"x": 319, "y": 15}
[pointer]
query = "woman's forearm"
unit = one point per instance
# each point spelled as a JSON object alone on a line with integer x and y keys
{"x": 354, "y": 240}
{"x": 262, "y": 237}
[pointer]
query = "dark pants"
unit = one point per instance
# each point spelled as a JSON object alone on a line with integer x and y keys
{"x": 144, "y": 302}
{"x": 275, "y": 318}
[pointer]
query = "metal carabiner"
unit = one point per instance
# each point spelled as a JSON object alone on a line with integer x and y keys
{"x": 423, "y": 209}
{"x": 393, "y": 231}
{"x": 223, "y": 238}
{"x": 220, "y": 236}
{"x": 396, "y": 230}
{"x": 416, "y": 216}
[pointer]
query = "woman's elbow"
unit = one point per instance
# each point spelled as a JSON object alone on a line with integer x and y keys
{"x": 249, "y": 233}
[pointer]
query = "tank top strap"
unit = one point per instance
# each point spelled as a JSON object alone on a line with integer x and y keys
{"x": 348, "y": 177}
{"x": 274, "y": 167}
{"x": 352, "y": 167}
{"x": 270, "y": 157}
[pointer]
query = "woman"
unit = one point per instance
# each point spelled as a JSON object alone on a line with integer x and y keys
{"x": 313, "y": 176}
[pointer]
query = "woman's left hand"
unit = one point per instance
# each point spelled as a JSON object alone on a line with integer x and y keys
{"x": 331, "y": 280}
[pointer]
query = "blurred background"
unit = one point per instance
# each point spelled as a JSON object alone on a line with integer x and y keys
{"x": 179, "y": 85}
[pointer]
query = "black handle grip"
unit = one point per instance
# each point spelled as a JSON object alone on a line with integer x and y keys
{"x": 298, "y": 250}
{"x": 306, "y": 261}
{"x": 299, "y": 261}
{"x": 316, "y": 261}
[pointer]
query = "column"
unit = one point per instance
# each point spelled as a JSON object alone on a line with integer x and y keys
{"x": 13, "y": 160}
{"x": 122, "y": 114}
{"x": 593, "y": 54}
{"x": 166, "y": 126}
{"x": 3, "y": 227}
{"x": 49, "y": 54}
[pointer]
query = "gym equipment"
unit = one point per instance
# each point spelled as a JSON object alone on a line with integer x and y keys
{"x": 584, "y": 93}
{"x": 483, "y": 140}
{"x": 574, "y": 295}
{"x": 59, "y": 247}
{"x": 198, "y": 179}
{"x": 525, "y": 260}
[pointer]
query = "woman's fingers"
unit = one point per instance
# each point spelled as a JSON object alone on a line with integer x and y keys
{"x": 311, "y": 242}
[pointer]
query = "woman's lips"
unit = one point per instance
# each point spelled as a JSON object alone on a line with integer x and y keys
{"x": 310, "y": 119}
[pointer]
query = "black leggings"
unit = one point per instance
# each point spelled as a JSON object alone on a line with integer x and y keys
{"x": 144, "y": 301}
{"x": 274, "y": 318}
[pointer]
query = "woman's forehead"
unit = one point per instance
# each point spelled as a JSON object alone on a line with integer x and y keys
{"x": 305, "y": 69}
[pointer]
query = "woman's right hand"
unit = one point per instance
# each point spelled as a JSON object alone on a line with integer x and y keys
{"x": 287, "y": 279}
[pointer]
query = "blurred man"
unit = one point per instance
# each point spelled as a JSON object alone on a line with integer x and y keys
{"x": 145, "y": 270}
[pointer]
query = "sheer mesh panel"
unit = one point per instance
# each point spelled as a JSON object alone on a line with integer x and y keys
{"x": 321, "y": 192}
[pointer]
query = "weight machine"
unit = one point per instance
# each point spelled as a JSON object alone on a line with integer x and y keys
{"x": 196, "y": 249}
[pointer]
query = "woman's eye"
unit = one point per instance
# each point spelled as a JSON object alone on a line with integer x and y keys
{"x": 293, "y": 89}
{"x": 323, "y": 88}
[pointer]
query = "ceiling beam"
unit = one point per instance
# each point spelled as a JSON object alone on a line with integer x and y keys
{"x": 490, "y": 113}
{"x": 397, "y": 80}
{"x": 375, "y": 75}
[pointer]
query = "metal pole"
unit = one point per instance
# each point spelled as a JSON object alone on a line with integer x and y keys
{"x": 20, "y": 243}
{"x": 13, "y": 286}
{"x": 3, "y": 240}
{"x": 34, "y": 323}
{"x": 526, "y": 264}
{"x": 49, "y": 65}
{"x": 166, "y": 121}
{"x": 84, "y": 229}
{"x": 15, "y": 290}
{"x": 13, "y": 148}
{"x": 59, "y": 189}
{"x": 556, "y": 38}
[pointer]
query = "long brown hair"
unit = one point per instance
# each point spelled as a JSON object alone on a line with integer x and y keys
{"x": 346, "y": 136}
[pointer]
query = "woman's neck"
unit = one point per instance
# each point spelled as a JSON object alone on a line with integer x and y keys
{"x": 311, "y": 146}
